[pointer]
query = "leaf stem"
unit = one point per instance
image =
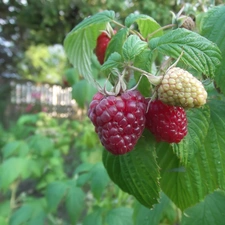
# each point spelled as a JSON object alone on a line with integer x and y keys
{"x": 161, "y": 28}
{"x": 139, "y": 70}
{"x": 155, "y": 80}
{"x": 130, "y": 30}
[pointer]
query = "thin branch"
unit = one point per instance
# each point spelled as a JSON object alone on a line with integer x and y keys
{"x": 161, "y": 28}
{"x": 130, "y": 30}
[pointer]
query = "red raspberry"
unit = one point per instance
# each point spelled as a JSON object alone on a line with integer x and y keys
{"x": 167, "y": 123}
{"x": 119, "y": 120}
{"x": 102, "y": 43}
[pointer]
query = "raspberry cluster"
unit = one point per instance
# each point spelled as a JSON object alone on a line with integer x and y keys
{"x": 120, "y": 118}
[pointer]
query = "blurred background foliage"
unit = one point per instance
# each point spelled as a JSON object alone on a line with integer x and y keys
{"x": 33, "y": 25}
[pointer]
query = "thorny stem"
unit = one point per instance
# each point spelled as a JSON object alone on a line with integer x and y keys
{"x": 130, "y": 30}
{"x": 161, "y": 28}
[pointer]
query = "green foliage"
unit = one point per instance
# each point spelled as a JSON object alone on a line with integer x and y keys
{"x": 164, "y": 211}
{"x": 132, "y": 47}
{"x": 82, "y": 40}
{"x": 32, "y": 212}
{"x": 43, "y": 63}
{"x": 146, "y": 24}
{"x": 210, "y": 26}
{"x": 51, "y": 172}
{"x": 55, "y": 172}
{"x": 136, "y": 172}
{"x": 184, "y": 173}
{"x": 198, "y": 125}
{"x": 199, "y": 52}
{"x": 207, "y": 212}
{"x": 83, "y": 92}
{"x": 204, "y": 174}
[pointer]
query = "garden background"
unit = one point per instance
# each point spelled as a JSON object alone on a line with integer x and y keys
{"x": 50, "y": 157}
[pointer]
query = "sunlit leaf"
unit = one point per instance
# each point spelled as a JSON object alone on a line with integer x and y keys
{"x": 132, "y": 47}
{"x": 146, "y": 24}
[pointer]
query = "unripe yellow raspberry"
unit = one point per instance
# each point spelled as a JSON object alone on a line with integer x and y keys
{"x": 180, "y": 88}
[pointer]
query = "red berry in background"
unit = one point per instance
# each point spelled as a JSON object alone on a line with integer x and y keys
{"x": 102, "y": 43}
{"x": 167, "y": 123}
{"x": 118, "y": 120}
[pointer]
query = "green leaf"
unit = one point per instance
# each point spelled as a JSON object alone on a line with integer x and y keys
{"x": 116, "y": 43}
{"x": 146, "y": 24}
{"x": 12, "y": 169}
{"x": 198, "y": 124}
{"x": 83, "y": 92}
{"x": 81, "y": 41}
{"x": 30, "y": 213}
{"x": 3, "y": 220}
{"x": 19, "y": 148}
{"x": 27, "y": 119}
{"x": 208, "y": 212}
{"x": 119, "y": 216}
{"x": 94, "y": 218}
{"x": 144, "y": 62}
{"x": 5, "y": 208}
{"x": 21, "y": 216}
{"x": 83, "y": 167}
{"x": 136, "y": 172}
{"x": 72, "y": 76}
{"x": 99, "y": 180}
{"x": 83, "y": 179}
{"x": 146, "y": 216}
{"x": 132, "y": 47}
{"x": 74, "y": 202}
{"x": 41, "y": 145}
{"x": 186, "y": 186}
{"x": 213, "y": 28}
{"x": 55, "y": 192}
{"x": 113, "y": 61}
{"x": 199, "y": 53}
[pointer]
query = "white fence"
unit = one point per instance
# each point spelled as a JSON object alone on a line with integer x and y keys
{"x": 28, "y": 97}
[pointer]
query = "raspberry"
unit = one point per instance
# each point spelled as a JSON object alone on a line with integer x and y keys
{"x": 102, "y": 43}
{"x": 180, "y": 88}
{"x": 119, "y": 120}
{"x": 167, "y": 123}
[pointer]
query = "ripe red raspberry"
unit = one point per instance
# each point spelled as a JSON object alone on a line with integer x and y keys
{"x": 102, "y": 43}
{"x": 118, "y": 120}
{"x": 167, "y": 123}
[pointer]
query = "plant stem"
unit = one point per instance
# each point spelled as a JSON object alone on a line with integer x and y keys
{"x": 161, "y": 28}
{"x": 130, "y": 30}
{"x": 13, "y": 188}
{"x": 155, "y": 80}
{"x": 139, "y": 70}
